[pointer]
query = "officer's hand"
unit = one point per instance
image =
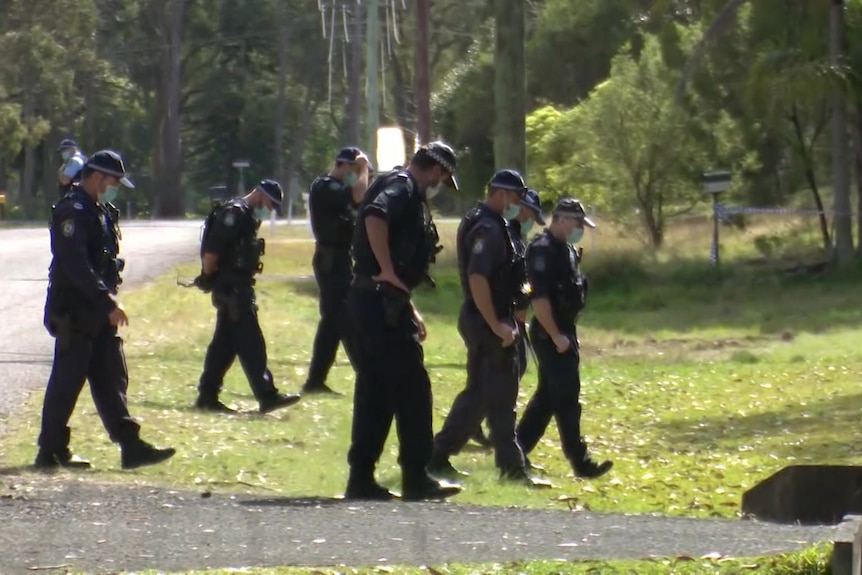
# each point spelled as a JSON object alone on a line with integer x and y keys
{"x": 507, "y": 333}
{"x": 562, "y": 343}
{"x": 391, "y": 279}
{"x": 118, "y": 317}
{"x": 420, "y": 323}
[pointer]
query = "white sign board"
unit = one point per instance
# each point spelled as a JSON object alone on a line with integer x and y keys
{"x": 241, "y": 164}
{"x": 390, "y": 148}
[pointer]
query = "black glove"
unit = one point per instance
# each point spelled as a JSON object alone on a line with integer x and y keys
{"x": 204, "y": 283}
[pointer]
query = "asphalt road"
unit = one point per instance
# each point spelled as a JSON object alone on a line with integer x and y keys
{"x": 25, "y": 347}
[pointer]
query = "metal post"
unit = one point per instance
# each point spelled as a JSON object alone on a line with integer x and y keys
{"x": 715, "y": 229}
{"x": 371, "y": 74}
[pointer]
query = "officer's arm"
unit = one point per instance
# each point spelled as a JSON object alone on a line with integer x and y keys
{"x": 537, "y": 273}
{"x": 484, "y": 254}
{"x": 387, "y": 207}
{"x": 69, "y": 169}
{"x": 69, "y": 246}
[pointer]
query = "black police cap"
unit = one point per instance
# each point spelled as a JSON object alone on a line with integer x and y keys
{"x": 508, "y": 180}
{"x": 348, "y": 154}
{"x": 67, "y": 143}
{"x": 273, "y": 190}
{"x": 444, "y": 155}
{"x": 573, "y": 207}
{"x": 111, "y": 163}
{"x": 531, "y": 200}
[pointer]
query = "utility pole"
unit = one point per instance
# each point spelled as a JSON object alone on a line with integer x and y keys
{"x": 510, "y": 85}
{"x": 371, "y": 72}
{"x": 354, "y": 78}
{"x": 840, "y": 169}
{"x": 422, "y": 88}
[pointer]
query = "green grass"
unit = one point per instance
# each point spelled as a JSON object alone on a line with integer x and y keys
{"x": 812, "y": 561}
{"x": 697, "y": 383}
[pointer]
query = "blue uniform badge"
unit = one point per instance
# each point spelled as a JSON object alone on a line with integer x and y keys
{"x": 68, "y": 228}
{"x": 229, "y": 219}
{"x": 478, "y": 246}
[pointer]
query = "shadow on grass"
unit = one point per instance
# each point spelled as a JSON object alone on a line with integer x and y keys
{"x": 826, "y": 418}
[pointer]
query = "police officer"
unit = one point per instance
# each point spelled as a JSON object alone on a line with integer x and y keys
{"x": 333, "y": 200}
{"x": 529, "y": 213}
{"x": 559, "y": 294}
{"x": 490, "y": 282}
{"x": 73, "y": 162}
{"x": 82, "y": 314}
{"x": 394, "y": 243}
{"x": 230, "y": 258}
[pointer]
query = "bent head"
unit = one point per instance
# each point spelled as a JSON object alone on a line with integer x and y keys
{"x": 103, "y": 174}
{"x": 433, "y": 166}
{"x": 268, "y": 194}
{"x": 505, "y": 190}
{"x": 569, "y": 220}
{"x": 349, "y": 164}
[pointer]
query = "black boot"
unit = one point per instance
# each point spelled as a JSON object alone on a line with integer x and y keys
{"x": 521, "y": 475}
{"x": 277, "y": 401}
{"x": 441, "y": 467}
{"x": 421, "y": 486}
{"x": 362, "y": 486}
{"x": 321, "y": 388}
{"x": 212, "y": 404}
{"x": 137, "y": 453}
{"x": 589, "y": 469}
{"x": 47, "y": 459}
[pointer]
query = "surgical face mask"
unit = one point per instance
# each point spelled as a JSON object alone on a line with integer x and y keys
{"x": 66, "y": 154}
{"x": 512, "y": 211}
{"x": 262, "y": 213}
{"x": 576, "y": 235}
{"x": 432, "y": 191}
{"x": 350, "y": 178}
{"x": 527, "y": 225}
{"x": 110, "y": 194}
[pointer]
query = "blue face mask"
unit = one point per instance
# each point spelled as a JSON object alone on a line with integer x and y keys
{"x": 576, "y": 235}
{"x": 66, "y": 154}
{"x": 512, "y": 211}
{"x": 110, "y": 194}
{"x": 262, "y": 213}
{"x": 526, "y": 226}
{"x": 350, "y": 178}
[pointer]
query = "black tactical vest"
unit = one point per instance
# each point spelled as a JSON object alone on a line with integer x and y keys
{"x": 332, "y": 228}
{"x": 504, "y": 281}
{"x": 241, "y": 258}
{"x": 567, "y": 286}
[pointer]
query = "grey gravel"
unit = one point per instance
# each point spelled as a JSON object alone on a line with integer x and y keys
{"x": 99, "y": 527}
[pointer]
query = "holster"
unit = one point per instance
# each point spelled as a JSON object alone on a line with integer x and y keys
{"x": 395, "y": 303}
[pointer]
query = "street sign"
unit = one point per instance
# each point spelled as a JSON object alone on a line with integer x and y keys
{"x": 241, "y": 164}
{"x": 716, "y": 182}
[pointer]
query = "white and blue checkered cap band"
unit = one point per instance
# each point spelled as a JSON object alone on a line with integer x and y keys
{"x": 439, "y": 159}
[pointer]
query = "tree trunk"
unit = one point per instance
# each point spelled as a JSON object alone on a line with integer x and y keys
{"x": 857, "y": 146}
{"x": 509, "y": 85}
{"x": 309, "y": 108}
{"x": 354, "y": 79}
{"x": 840, "y": 169}
{"x": 811, "y": 178}
{"x": 171, "y": 197}
{"x": 422, "y": 89}
{"x": 281, "y": 103}
{"x": 29, "y": 169}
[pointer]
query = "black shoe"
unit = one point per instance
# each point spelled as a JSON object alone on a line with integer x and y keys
{"x": 427, "y": 487}
{"x": 367, "y": 491}
{"x": 441, "y": 467}
{"x": 319, "y": 388}
{"x": 589, "y": 469}
{"x": 50, "y": 460}
{"x": 212, "y": 404}
{"x": 521, "y": 475}
{"x": 277, "y": 401}
{"x": 140, "y": 453}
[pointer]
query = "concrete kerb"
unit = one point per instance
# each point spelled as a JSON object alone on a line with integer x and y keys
{"x": 847, "y": 547}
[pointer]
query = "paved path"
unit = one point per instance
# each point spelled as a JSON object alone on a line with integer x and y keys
{"x": 98, "y": 528}
{"x": 25, "y": 347}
